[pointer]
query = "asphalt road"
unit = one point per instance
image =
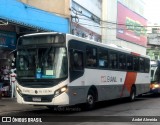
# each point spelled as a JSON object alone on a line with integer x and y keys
{"x": 145, "y": 110}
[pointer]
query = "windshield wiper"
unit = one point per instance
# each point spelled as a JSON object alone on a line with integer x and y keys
{"x": 45, "y": 57}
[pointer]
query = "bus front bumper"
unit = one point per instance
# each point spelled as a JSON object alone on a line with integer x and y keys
{"x": 62, "y": 99}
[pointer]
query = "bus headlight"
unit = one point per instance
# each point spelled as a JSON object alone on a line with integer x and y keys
{"x": 60, "y": 91}
{"x": 18, "y": 90}
{"x": 155, "y": 86}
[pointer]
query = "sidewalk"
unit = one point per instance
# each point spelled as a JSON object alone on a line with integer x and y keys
{"x": 8, "y": 105}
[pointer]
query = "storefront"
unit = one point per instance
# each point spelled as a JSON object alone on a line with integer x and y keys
{"x": 23, "y": 19}
{"x": 19, "y": 19}
{"x": 7, "y": 44}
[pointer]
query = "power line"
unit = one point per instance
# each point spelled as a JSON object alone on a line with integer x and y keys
{"x": 111, "y": 28}
{"x": 79, "y": 13}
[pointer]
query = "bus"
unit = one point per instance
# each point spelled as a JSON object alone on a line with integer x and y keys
{"x": 56, "y": 69}
{"x": 155, "y": 77}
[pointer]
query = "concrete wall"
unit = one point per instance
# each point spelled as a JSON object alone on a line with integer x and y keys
{"x": 60, "y": 7}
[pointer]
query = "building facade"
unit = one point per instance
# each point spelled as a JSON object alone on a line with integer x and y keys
{"x": 84, "y": 16}
{"x": 153, "y": 44}
{"x": 124, "y": 24}
{"x": 19, "y": 19}
{"x": 60, "y": 7}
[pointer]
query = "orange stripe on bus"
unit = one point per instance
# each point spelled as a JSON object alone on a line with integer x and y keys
{"x": 129, "y": 81}
{"x": 136, "y": 54}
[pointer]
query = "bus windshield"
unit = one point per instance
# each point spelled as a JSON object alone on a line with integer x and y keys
{"x": 42, "y": 63}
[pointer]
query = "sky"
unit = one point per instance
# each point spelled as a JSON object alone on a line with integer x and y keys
{"x": 152, "y": 11}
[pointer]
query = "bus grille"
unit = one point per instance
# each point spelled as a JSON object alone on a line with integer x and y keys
{"x": 43, "y": 98}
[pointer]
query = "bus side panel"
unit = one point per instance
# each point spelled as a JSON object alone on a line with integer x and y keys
{"x": 77, "y": 94}
{"x": 142, "y": 88}
{"x": 142, "y": 83}
{"x": 109, "y": 84}
{"x": 111, "y": 92}
{"x": 77, "y": 91}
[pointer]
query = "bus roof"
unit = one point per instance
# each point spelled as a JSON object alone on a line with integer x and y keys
{"x": 111, "y": 46}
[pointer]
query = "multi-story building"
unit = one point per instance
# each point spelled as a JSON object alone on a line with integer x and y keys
{"x": 153, "y": 45}
{"x": 17, "y": 18}
{"x": 84, "y": 15}
{"x": 124, "y": 24}
{"x": 115, "y": 22}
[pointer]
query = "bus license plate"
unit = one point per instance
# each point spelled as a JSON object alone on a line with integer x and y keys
{"x": 36, "y": 99}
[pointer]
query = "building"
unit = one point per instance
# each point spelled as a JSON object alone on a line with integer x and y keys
{"x": 153, "y": 44}
{"x": 84, "y": 15}
{"x": 18, "y": 18}
{"x": 124, "y": 24}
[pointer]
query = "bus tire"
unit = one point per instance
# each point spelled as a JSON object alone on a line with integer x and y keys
{"x": 132, "y": 96}
{"x": 91, "y": 100}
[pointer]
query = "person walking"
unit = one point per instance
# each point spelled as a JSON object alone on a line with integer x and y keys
{"x": 13, "y": 83}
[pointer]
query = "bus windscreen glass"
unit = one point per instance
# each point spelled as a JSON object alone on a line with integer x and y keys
{"x": 42, "y": 63}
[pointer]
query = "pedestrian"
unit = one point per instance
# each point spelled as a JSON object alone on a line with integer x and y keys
{"x": 13, "y": 83}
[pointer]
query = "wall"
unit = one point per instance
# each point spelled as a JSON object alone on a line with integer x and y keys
{"x": 60, "y": 7}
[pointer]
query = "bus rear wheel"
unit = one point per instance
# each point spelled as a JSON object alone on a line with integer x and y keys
{"x": 132, "y": 96}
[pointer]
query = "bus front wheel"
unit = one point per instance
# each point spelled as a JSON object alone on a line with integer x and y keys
{"x": 91, "y": 100}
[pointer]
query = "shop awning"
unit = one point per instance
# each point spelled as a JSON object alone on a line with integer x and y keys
{"x": 25, "y": 15}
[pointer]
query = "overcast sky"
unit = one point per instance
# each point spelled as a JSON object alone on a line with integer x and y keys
{"x": 152, "y": 11}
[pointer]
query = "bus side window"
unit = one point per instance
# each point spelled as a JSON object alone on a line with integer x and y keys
{"x": 103, "y": 58}
{"x": 136, "y": 63}
{"x": 91, "y": 57}
{"x": 122, "y": 61}
{"x": 129, "y": 62}
{"x": 142, "y": 64}
{"x": 113, "y": 60}
{"x": 77, "y": 60}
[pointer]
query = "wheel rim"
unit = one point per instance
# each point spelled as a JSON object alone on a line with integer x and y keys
{"x": 133, "y": 96}
{"x": 90, "y": 99}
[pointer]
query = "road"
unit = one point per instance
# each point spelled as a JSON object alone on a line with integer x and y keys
{"x": 115, "y": 112}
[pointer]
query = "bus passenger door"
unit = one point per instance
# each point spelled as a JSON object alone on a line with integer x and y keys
{"x": 76, "y": 87}
{"x": 76, "y": 64}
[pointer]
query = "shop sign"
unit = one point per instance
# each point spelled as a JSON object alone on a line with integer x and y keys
{"x": 8, "y": 40}
{"x": 132, "y": 26}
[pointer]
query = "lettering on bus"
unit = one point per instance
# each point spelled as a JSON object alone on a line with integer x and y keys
{"x": 103, "y": 79}
{"x": 111, "y": 79}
